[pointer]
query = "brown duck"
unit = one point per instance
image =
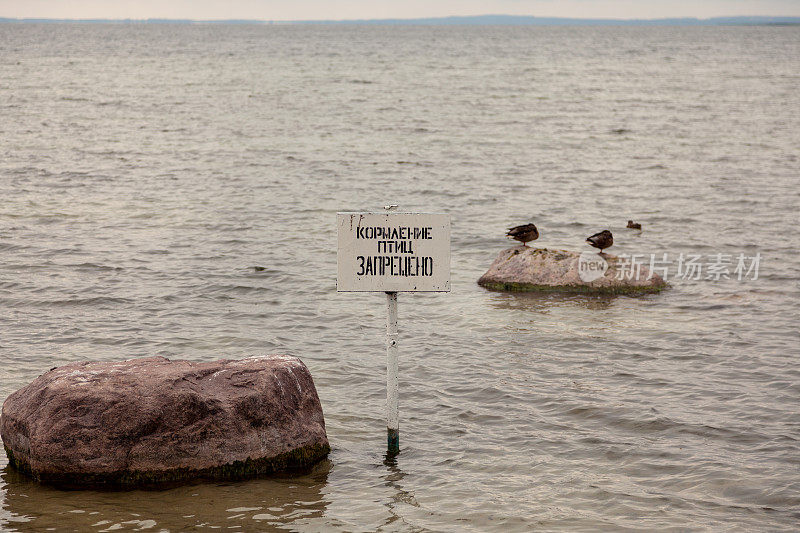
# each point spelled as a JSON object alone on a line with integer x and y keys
{"x": 524, "y": 233}
{"x": 601, "y": 240}
{"x": 633, "y": 225}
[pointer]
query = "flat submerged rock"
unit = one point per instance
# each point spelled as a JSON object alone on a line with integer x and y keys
{"x": 523, "y": 268}
{"x": 153, "y": 421}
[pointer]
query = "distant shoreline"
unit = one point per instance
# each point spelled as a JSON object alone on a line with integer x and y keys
{"x": 478, "y": 20}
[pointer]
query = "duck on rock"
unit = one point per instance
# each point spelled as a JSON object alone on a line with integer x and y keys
{"x": 524, "y": 233}
{"x": 601, "y": 240}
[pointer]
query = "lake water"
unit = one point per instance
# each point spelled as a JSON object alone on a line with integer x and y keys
{"x": 145, "y": 171}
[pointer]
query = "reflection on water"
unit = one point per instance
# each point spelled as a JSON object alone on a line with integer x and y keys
{"x": 399, "y": 496}
{"x": 288, "y": 501}
{"x": 543, "y": 302}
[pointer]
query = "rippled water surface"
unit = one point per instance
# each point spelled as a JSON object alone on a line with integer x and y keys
{"x": 145, "y": 171}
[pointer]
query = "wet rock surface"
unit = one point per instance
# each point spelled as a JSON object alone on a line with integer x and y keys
{"x": 153, "y": 421}
{"x": 523, "y": 268}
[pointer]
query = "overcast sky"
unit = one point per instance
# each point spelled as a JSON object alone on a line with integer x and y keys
{"x": 351, "y": 9}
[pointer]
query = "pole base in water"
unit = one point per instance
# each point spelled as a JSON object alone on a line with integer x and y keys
{"x": 393, "y": 440}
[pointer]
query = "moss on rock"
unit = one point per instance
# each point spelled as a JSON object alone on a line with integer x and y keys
{"x": 295, "y": 460}
{"x": 510, "y": 286}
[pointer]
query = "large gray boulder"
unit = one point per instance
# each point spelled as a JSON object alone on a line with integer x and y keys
{"x": 153, "y": 421}
{"x": 523, "y": 268}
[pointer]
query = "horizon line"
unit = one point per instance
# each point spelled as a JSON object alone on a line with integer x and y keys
{"x": 484, "y": 19}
